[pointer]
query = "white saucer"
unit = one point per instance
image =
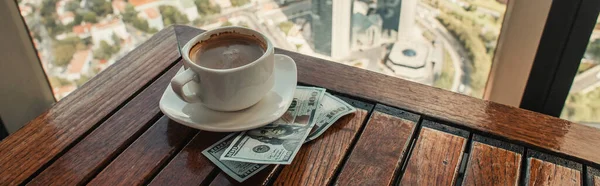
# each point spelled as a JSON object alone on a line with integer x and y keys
{"x": 267, "y": 110}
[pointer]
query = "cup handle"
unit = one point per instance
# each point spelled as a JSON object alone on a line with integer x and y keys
{"x": 181, "y": 80}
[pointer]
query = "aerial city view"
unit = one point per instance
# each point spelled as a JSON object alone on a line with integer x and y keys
{"x": 443, "y": 43}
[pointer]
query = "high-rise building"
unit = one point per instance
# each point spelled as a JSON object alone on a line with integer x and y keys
{"x": 321, "y": 26}
{"x": 331, "y": 26}
{"x": 389, "y": 10}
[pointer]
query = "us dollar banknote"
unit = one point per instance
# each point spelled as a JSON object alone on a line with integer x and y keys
{"x": 331, "y": 109}
{"x": 239, "y": 171}
{"x": 278, "y": 143}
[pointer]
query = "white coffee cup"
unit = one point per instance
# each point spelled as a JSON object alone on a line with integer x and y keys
{"x": 225, "y": 89}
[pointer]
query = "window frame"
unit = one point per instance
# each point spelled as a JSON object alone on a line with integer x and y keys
{"x": 26, "y": 92}
{"x": 557, "y": 60}
{"x": 518, "y": 43}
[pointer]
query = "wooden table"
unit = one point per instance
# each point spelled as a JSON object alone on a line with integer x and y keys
{"x": 111, "y": 131}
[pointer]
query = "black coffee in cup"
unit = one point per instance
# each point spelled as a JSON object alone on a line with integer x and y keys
{"x": 227, "y": 50}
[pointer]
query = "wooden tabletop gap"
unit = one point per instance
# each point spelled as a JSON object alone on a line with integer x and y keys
{"x": 210, "y": 177}
{"x": 592, "y": 176}
{"x": 584, "y": 176}
{"x": 408, "y": 152}
{"x": 463, "y": 162}
{"x": 524, "y": 168}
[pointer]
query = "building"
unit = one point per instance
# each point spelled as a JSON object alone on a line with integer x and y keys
{"x": 118, "y": 6}
{"x": 104, "y": 31}
{"x": 66, "y": 18}
{"x": 79, "y": 64}
{"x": 389, "y": 10}
{"x": 411, "y": 60}
{"x": 25, "y": 9}
{"x": 63, "y": 91}
{"x": 141, "y": 3}
{"x": 188, "y": 7}
{"x": 366, "y": 31}
{"x": 83, "y": 30}
{"x": 330, "y": 36}
{"x": 222, "y": 3}
{"x": 61, "y": 7}
{"x": 152, "y": 15}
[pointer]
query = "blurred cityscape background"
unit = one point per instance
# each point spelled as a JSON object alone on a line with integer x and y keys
{"x": 443, "y": 43}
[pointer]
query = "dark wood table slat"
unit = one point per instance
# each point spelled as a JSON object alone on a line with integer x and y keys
{"x": 435, "y": 158}
{"x": 27, "y": 150}
{"x": 490, "y": 165}
{"x": 190, "y": 167}
{"x": 547, "y": 173}
{"x": 145, "y": 157}
{"x": 99, "y": 148}
{"x": 378, "y": 152}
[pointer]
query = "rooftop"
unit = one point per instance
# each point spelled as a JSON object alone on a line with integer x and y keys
{"x": 79, "y": 58}
{"x": 64, "y": 90}
{"x": 119, "y": 5}
{"x": 152, "y": 13}
{"x": 66, "y": 15}
{"x": 140, "y": 2}
{"x": 411, "y": 54}
{"x": 81, "y": 29}
{"x": 108, "y": 24}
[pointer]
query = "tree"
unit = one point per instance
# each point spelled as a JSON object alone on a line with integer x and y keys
{"x": 129, "y": 15}
{"x": 227, "y": 23}
{"x": 78, "y": 19}
{"x": 140, "y": 24}
{"x": 116, "y": 39}
{"x": 48, "y": 8}
{"x": 82, "y": 80}
{"x": 72, "y": 6}
{"x": 89, "y": 17}
{"x": 285, "y": 26}
{"x": 100, "y": 7}
{"x": 237, "y": 3}
{"x": 172, "y": 16}
{"x": 105, "y": 51}
{"x": 58, "y": 82}
{"x": 63, "y": 53}
{"x": 206, "y": 8}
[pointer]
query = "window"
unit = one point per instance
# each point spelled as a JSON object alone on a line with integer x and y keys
{"x": 443, "y": 43}
{"x": 583, "y": 103}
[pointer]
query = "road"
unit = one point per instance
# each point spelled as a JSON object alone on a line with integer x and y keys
{"x": 586, "y": 81}
{"x": 457, "y": 51}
